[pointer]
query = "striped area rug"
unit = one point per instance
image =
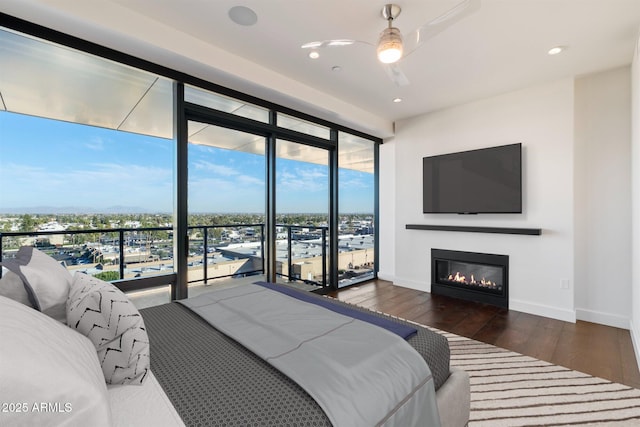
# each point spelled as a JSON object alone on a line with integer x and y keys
{"x": 509, "y": 389}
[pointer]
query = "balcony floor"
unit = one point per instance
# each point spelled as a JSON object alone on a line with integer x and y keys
{"x": 162, "y": 295}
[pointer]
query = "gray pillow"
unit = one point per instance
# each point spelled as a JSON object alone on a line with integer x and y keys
{"x": 11, "y": 286}
{"x": 104, "y": 314}
{"x": 46, "y": 281}
{"x": 45, "y": 361}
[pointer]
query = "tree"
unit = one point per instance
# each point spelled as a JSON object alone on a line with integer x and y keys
{"x": 27, "y": 223}
{"x": 107, "y": 276}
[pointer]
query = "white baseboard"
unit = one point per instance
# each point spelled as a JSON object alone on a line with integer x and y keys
{"x": 635, "y": 340}
{"x": 543, "y": 310}
{"x": 384, "y": 276}
{"x": 537, "y": 309}
{"x": 412, "y": 284}
{"x": 602, "y": 318}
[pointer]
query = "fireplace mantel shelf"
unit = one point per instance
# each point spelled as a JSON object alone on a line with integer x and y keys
{"x": 471, "y": 229}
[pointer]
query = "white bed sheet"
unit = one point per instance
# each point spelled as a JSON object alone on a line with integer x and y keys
{"x": 142, "y": 405}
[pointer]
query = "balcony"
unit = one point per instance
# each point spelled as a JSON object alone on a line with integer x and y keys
{"x": 140, "y": 261}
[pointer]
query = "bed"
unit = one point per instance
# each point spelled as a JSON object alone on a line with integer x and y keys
{"x": 198, "y": 375}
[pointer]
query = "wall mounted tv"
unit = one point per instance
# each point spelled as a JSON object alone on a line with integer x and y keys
{"x": 488, "y": 180}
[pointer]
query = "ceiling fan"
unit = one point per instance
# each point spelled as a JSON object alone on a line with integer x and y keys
{"x": 391, "y": 46}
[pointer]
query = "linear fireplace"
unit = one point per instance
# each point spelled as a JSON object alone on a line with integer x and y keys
{"x": 471, "y": 276}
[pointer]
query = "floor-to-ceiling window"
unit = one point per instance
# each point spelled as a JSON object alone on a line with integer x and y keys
{"x": 85, "y": 148}
{"x": 78, "y": 130}
{"x": 226, "y": 204}
{"x": 302, "y": 207}
{"x": 356, "y": 201}
{"x": 303, "y": 204}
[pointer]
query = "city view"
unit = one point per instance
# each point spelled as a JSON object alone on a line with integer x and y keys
{"x": 221, "y": 246}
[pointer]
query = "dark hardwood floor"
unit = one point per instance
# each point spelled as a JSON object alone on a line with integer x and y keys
{"x": 598, "y": 350}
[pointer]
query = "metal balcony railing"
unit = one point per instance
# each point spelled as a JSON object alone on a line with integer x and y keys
{"x": 74, "y": 247}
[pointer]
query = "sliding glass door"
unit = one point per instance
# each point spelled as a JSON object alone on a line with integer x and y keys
{"x": 356, "y": 201}
{"x": 302, "y": 213}
{"x": 226, "y": 193}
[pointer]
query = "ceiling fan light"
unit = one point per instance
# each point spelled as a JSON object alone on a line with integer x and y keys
{"x": 390, "y": 45}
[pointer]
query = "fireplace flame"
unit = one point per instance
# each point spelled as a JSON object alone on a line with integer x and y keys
{"x": 459, "y": 278}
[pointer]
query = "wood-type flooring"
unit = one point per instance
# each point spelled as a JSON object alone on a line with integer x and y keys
{"x": 595, "y": 349}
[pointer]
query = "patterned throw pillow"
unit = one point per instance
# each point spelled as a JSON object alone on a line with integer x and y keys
{"x": 104, "y": 314}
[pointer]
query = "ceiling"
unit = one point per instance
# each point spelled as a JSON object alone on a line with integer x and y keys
{"x": 501, "y": 47}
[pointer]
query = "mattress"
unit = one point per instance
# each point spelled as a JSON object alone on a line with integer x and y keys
{"x": 142, "y": 405}
{"x": 212, "y": 380}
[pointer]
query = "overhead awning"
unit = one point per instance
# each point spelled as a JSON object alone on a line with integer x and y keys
{"x": 43, "y": 79}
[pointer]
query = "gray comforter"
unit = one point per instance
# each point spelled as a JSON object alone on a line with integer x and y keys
{"x": 212, "y": 380}
{"x": 358, "y": 373}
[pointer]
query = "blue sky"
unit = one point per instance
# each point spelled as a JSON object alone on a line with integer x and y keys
{"x": 47, "y": 163}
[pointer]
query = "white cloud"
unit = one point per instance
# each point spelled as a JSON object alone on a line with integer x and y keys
{"x": 308, "y": 179}
{"x": 215, "y": 168}
{"x": 92, "y": 185}
{"x": 96, "y": 144}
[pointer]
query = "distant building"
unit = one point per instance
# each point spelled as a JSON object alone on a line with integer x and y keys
{"x": 52, "y": 226}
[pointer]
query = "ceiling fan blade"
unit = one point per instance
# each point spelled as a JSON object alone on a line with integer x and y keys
{"x": 439, "y": 24}
{"x": 396, "y": 75}
{"x": 330, "y": 43}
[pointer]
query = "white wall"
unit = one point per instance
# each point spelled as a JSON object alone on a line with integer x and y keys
{"x": 541, "y": 118}
{"x": 635, "y": 201}
{"x": 387, "y": 212}
{"x": 603, "y": 197}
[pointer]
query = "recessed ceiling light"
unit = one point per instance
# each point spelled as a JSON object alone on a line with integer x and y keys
{"x": 314, "y": 54}
{"x": 556, "y": 50}
{"x": 242, "y": 15}
{"x": 396, "y": 100}
{"x": 336, "y": 68}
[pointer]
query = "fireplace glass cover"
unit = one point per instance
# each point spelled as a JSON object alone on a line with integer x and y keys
{"x": 470, "y": 275}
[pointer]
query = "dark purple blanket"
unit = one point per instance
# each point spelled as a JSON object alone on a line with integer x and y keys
{"x": 404, "y": 331}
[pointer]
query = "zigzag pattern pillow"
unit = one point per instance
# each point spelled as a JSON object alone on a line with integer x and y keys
{"x": 104, "y": 314}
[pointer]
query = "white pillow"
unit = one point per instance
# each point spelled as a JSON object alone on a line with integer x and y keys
{"x": 49, "y": 374}
{"x": 11, "y": 286}
{"x": 105, "y": 315}
{"x": 46, "y": 281}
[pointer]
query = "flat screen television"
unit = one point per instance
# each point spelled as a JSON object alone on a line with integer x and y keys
{"x": 488, "y": 180}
